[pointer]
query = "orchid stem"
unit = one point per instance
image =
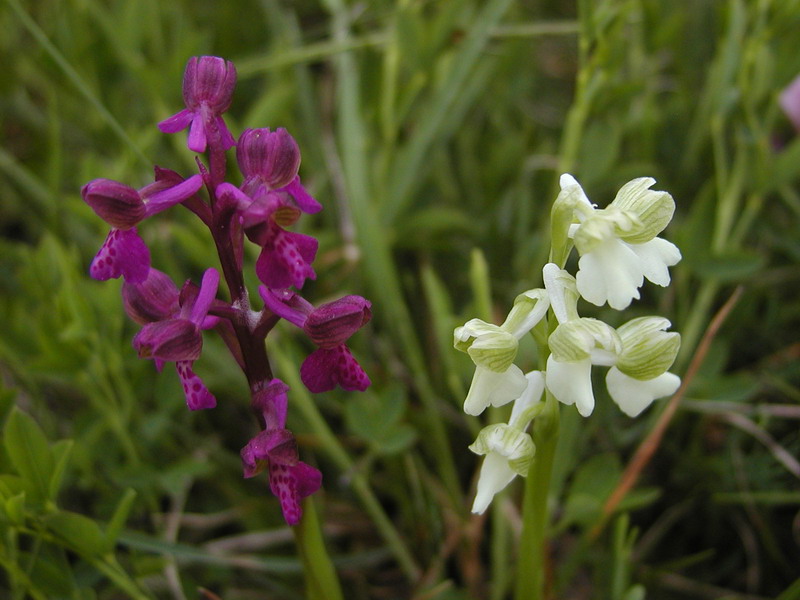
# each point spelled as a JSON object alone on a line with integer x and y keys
{"x": 322, "y": 582}
{"x": 532, "y": 551}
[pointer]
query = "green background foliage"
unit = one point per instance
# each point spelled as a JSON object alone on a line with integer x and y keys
{"x": 429, "y": 129}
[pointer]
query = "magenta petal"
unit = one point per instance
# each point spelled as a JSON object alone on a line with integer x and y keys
{"x": 197, "y": 395}
{"x": 197, "y": 133}
{"x": 302, "y": 198}
{"x": 325, "y": 368}
{"x": 318, "y": 370}
{"x": 226, "y": 138}
{"x": 177, "y": 122}
{"x": 272, "y": 402}
{"x": 164, "y": 199}
{"x": 208, "y": 291}
{"x": 286, "y": 304}
{"x": 290, "y": 485}
{"x": 285, "y": 261}
{"x": 122, "y": 254}
{"x": 351, "y": 376}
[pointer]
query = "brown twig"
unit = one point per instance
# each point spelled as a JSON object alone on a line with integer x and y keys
{"x": 650, "y": 444}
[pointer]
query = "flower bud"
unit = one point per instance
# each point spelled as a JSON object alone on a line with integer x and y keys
{"x": 648, "y": 350}
{"x": 529, "y": 308}
{"x": 268, "y": 157}
{"x": 209, "y": 80}
{"x": 333, "y": 323}
{"x": 653, "y": 209}
{"x": 117, "y": 204}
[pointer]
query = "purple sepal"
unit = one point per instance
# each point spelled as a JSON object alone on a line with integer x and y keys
{"x": 171, "y": 340}
{"x": 286, "y": 304}
{"x": 123, "y": 253}
{"x": 286, "y": 260}
{"x": 301, "y": 197}
{"x": 117, "y": 204}
{"x": 332, "y": 324}
{"x": 165, "y": 198}
{"x": 154, "y": 299}
{"x": 266, "y": 157}
{"x": 325, "y": 368}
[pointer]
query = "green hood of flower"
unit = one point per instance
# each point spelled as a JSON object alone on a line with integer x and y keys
{"x": 647, "y": 349}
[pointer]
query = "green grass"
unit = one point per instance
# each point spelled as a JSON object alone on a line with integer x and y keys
{"x": 428, "y": 130}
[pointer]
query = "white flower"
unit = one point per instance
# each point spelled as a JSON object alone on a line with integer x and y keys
{"x": 634, "y": 395}
{"x": 493, "y": 348}
{"x": 508, "y": 449}
{"x": 639, "y": 353}
{"x": 618, "y": 246}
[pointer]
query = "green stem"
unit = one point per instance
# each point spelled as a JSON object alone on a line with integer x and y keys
{"x": 531, "y": 563}
{"x": 336, "y": 452}
{"x": 322, "y": 582}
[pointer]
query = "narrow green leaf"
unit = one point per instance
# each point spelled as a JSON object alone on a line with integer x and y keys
{"x": 61, "y": 451}
{"x": 121, "y": 513}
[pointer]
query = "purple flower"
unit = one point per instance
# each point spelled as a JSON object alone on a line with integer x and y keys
{"x": 790, "y": 102}
{"x": 208, "y": 83}
{"x": 275, "y": 449}
{"x": 124, "y": 253}
{"x": 269, "y": 158}
{"x": 174, "y": 336}
{"x": 271, "y": 198}
{"x": 329, "y": 326}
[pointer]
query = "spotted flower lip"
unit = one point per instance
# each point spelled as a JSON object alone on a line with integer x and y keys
{"x": 329, "y": 326}
{"x": 275, "y": 449}
{"x": 177, "y": 336}
{"x": 208, "y": 84}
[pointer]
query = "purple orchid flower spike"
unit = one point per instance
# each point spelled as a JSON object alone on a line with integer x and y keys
{"x": 275, "y": 449}
{"x": 177, "y": 336}
{"x": 123, "y": 252}
{"x": 329, "y": 326}
{"x": 208, "y": 83}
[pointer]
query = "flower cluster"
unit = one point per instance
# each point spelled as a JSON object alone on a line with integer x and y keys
{"x": 618, "y": 248}
{"x": 270, "y": 199}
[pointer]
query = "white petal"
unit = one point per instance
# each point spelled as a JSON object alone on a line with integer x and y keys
{"x": 611, "y": 273}
{"x": 571, "y": 383}
{"x": 634, "y": 395}
{"x": 493, "y": 388}
{"x": 532, "y": 395}
{"x": 656, "y": 255}
{"x": 495, "y": 475}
